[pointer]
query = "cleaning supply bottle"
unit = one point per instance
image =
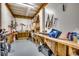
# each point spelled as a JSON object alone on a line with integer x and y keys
{"x": 69, "y": 36}
{"x": 75, "y": 39}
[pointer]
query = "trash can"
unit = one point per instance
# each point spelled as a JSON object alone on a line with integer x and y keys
{"x": 45, "y": 50}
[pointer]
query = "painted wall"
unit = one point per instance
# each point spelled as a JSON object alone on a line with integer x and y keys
{"x": 67, "y": 20}
{"x": 27, "y": 22}
{"x": 6, "y": 17}
{"x": 0, "y": 15}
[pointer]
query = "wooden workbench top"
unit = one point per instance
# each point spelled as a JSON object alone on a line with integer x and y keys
{"x": 65, "y": 42}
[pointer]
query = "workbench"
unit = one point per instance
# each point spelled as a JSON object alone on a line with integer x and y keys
{"x": 17, "y": 35}
{"x": 22, "y": 35}
{"x": 58, "y": 46}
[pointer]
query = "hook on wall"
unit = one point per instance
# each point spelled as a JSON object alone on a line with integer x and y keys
{"x": 64, "y": 7}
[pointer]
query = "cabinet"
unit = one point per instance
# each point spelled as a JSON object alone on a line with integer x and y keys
{"x": 10, "y": 38}
{"x": 22, "y": 35}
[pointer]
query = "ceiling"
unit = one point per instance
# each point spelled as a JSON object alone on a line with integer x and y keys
{"x": 25, "y": 10}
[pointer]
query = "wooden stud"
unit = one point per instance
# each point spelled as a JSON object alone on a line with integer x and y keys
{"x": 8, "y": 6}
{"x": 21, "y": 16}
{"x": 41, "y": 7}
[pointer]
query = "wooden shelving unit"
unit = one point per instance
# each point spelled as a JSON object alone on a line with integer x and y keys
{"x": 58, "y": 46}
{"x": 36, "y": 24}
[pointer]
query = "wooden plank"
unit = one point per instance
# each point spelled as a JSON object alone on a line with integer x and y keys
{"x": 54, "y": 48}
{"x": 52, "y": 45}
{"x": 8, "y": 6}
{"x": 62, "y": 49}
{"x": 10, "y": 39}
{"x": 72, "y": 51}
{"x": 41, "y": 7}
{"x": 22, "y": 35}
{"x": 68, "y": 43}
{"x": 21, "y": 16}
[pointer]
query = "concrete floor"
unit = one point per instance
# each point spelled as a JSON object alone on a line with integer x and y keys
{"x": 24, "y": 48}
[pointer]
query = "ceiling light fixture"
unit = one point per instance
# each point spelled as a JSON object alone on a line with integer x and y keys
{"x": 26, "y": 5}
{"x": 32, "y": 4}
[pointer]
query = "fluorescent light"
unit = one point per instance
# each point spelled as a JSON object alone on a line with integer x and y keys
{"x": 26, "y": 5}
{"x": 32, "y": 4}
{"x": 49, "y": 11}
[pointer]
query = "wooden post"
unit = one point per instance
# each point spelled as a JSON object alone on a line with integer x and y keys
{"x": 72, "y": 51}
